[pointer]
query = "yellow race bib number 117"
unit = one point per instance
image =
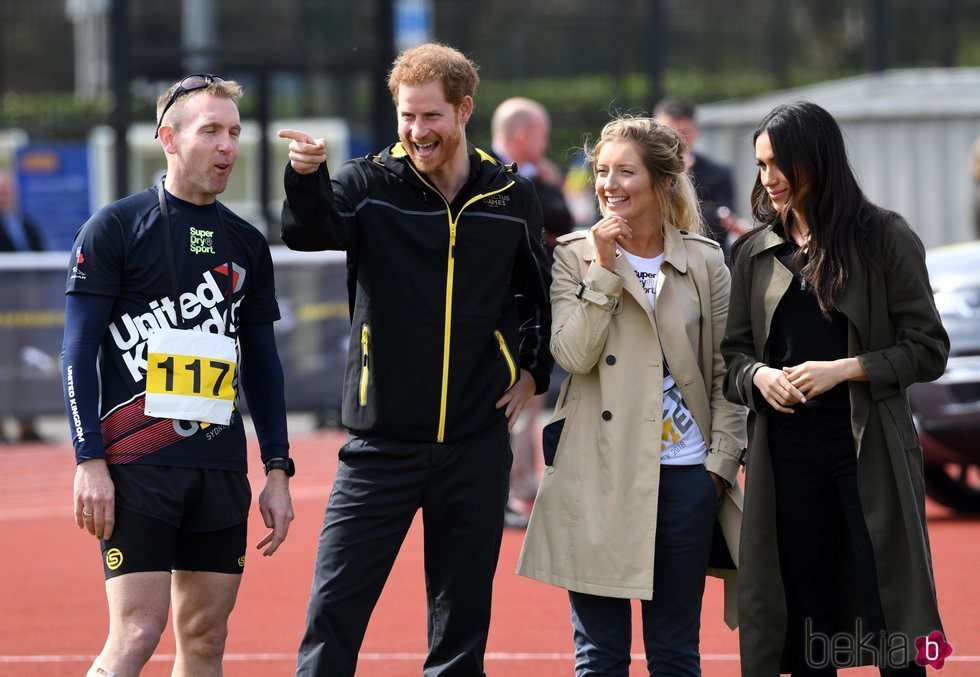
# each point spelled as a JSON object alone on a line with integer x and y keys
{"x": 187, "y": 375}
{"x": 190, "y": 375}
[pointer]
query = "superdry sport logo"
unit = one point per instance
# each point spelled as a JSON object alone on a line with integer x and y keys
{"x": 202, "y": 241}
{"x": 496, "y": 200}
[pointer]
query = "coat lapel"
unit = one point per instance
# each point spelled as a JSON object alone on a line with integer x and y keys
{"x": 769, "y": 290}
{"x": 671, "y": 332}
{"x": 854, "y": 305}
{"x": 854, "y": 301}
{"x": 675, "y": 254}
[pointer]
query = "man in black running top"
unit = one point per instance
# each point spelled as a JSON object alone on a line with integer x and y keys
{"x": 170, "y": 305}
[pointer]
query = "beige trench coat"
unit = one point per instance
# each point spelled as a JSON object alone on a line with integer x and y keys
{"x": 594, "y": 521}
{"x": 895, "y": 332}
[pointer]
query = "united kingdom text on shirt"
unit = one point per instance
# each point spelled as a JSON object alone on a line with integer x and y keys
{"x": 121, "y": 252}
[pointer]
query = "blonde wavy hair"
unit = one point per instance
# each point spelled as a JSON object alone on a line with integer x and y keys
{"x": 662, "y": 150}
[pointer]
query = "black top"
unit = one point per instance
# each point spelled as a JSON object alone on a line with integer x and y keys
{"x": 120, "y": 253}
{"x": 800, "y": 332}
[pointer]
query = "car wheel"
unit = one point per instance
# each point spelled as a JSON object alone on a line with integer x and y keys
{"x": 955, "y": 485}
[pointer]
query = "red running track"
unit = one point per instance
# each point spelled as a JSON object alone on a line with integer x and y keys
{"x": 54, "y": 613}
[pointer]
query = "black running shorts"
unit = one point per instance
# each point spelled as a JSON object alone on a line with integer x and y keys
{"x": 177, "y": 519}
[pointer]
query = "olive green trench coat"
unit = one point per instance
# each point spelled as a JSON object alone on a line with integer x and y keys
{"x": 594, "y": 521}
{"x": 896, "y": 334}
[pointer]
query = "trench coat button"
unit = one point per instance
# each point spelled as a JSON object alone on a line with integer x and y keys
{"x": 607, "y": 415}
{"x": 610, "y": 359}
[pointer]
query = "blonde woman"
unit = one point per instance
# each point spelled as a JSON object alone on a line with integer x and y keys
{"x": 643, "y": 445}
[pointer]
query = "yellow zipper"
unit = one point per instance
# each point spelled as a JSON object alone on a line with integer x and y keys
{"x": 365, "y": 342}
{"x": 507, "y": 358}
{"x": 441, "y": 434}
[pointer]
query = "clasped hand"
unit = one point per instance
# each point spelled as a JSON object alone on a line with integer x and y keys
{"x": 606, "y": 233}
{"x": 786, "y": 387}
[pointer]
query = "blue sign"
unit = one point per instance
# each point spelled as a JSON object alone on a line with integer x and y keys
{"x": 54, "y": 190}
{"x": 413, "y": 23}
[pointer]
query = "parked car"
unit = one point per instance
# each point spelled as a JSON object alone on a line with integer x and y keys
{"x": 947, "y": 411}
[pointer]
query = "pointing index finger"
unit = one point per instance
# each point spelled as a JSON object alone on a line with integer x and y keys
{"x": 295, "y": 135}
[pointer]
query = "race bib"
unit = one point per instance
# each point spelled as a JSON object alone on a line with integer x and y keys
{"x": 190, "y": 375}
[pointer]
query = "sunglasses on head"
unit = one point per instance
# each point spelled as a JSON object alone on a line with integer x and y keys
{"x": 189, "y": 84}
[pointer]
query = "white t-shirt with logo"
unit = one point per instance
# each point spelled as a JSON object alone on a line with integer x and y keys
{"x": 681, "y": 442}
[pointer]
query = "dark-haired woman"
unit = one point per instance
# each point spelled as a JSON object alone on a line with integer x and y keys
{"x": 831, "y": 319}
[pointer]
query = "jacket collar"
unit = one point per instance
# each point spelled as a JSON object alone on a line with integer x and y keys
{"x": 852, "y": 301}
{"x": 486, "y": 172}
{"x": 675, "y": 253}
{"x": 764, "y": 241}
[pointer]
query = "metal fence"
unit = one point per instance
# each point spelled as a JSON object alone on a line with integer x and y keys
{"x": 69, "y": 65}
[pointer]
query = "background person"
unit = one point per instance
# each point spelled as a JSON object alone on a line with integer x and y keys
{"x": 450, "y": 325}
{"x": 168, "y": 496}
{"x": 520, "y": 133}
{"x": 642, "y": 443}
{"x": 18, "y": 233}
{"x": 835, "y": 525}
{"x": 712, "y": 180}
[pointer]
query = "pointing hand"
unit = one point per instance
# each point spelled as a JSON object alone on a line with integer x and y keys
{"x": 306, "y": 154}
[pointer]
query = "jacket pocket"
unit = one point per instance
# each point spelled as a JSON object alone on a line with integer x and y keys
{"x": 901, "y": 418}
{"x": 362, "y": 389}
{"x": 550, "y": 436}
{"x": 511, "y": 365}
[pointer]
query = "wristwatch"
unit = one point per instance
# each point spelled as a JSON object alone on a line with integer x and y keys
{"x": 280, "y": 463}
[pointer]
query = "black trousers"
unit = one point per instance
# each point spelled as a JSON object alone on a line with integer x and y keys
{"x": 462, "y": 489}
{"x": 818, "y": 520}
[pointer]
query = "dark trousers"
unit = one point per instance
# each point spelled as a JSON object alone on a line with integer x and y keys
{"x": 461, "y": 488}
{"x": 817, "y": 507}
{"x": 686, "y": 512}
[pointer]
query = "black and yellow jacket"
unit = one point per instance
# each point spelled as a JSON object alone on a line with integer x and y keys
{"x": 448, "y": 302}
